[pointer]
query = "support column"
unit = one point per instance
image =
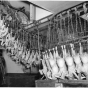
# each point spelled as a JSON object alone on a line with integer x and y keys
{"x": 32, "y": 12}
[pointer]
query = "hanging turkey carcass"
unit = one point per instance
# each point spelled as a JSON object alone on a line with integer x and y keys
{"x": 77, "y": 60}
{"x": 52, "y": 61}
{"x": 70, "y": 63}
{"x": 61, "y": 64}
{"x": 84, "y": 59}
{"x": 44, "y": 70}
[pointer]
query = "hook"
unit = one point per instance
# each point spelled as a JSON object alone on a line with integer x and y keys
{"x": 53, "y": 49}
{"x": 71, "y": 45}
{"x": 76, "y": 10}
{"x": 68, "y": 12}
{"x": 56, "y": 47}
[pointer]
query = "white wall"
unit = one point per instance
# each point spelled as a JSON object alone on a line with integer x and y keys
{"x": 40, "y": 13}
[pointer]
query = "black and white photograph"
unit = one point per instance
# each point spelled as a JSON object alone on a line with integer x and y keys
{"x": 43, "y": 43}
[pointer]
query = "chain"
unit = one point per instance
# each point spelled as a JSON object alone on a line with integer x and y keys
{"x": 72, "y": 24}
{"x": 80, "y": 22}
{"x": 38, "y": 40}
{"x": 85, "y": 10}
{"x": 48, "y": 35}
{"x": 64, "y": 25}
{"x": 68, "y": 21}
{"x": 61, "y": 35}
{"x": 51, "y": 33}
{"x": 61, "y": 22}
{"x": 84, "y": 25}
{"x": 76, "y": 21}
{"x": 57, "y": 27}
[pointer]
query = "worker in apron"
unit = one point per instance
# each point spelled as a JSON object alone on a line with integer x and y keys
{"x": 2, "y": 69}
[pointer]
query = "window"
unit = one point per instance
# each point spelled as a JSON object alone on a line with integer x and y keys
{"x": 41, "y": 13}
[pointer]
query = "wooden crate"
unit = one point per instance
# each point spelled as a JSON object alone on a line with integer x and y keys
{"x": 47, "y": 83}
{"x": 61, "y": 83}
{"x": 74, "y": 83}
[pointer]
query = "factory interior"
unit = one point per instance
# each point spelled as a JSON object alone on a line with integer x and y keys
{"x": 43, "y": 43}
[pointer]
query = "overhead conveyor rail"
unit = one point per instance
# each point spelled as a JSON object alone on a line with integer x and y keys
{"x": 41, "y": 23}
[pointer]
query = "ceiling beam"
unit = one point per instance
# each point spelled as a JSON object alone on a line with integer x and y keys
{"x": 40, "y": 27}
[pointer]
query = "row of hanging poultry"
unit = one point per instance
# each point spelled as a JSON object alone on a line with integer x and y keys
{"x": 68, "y": 65}
{"x": 18, "y": 52}
{"x": 12, "y": 37}
{"x": 72, "y": 63}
